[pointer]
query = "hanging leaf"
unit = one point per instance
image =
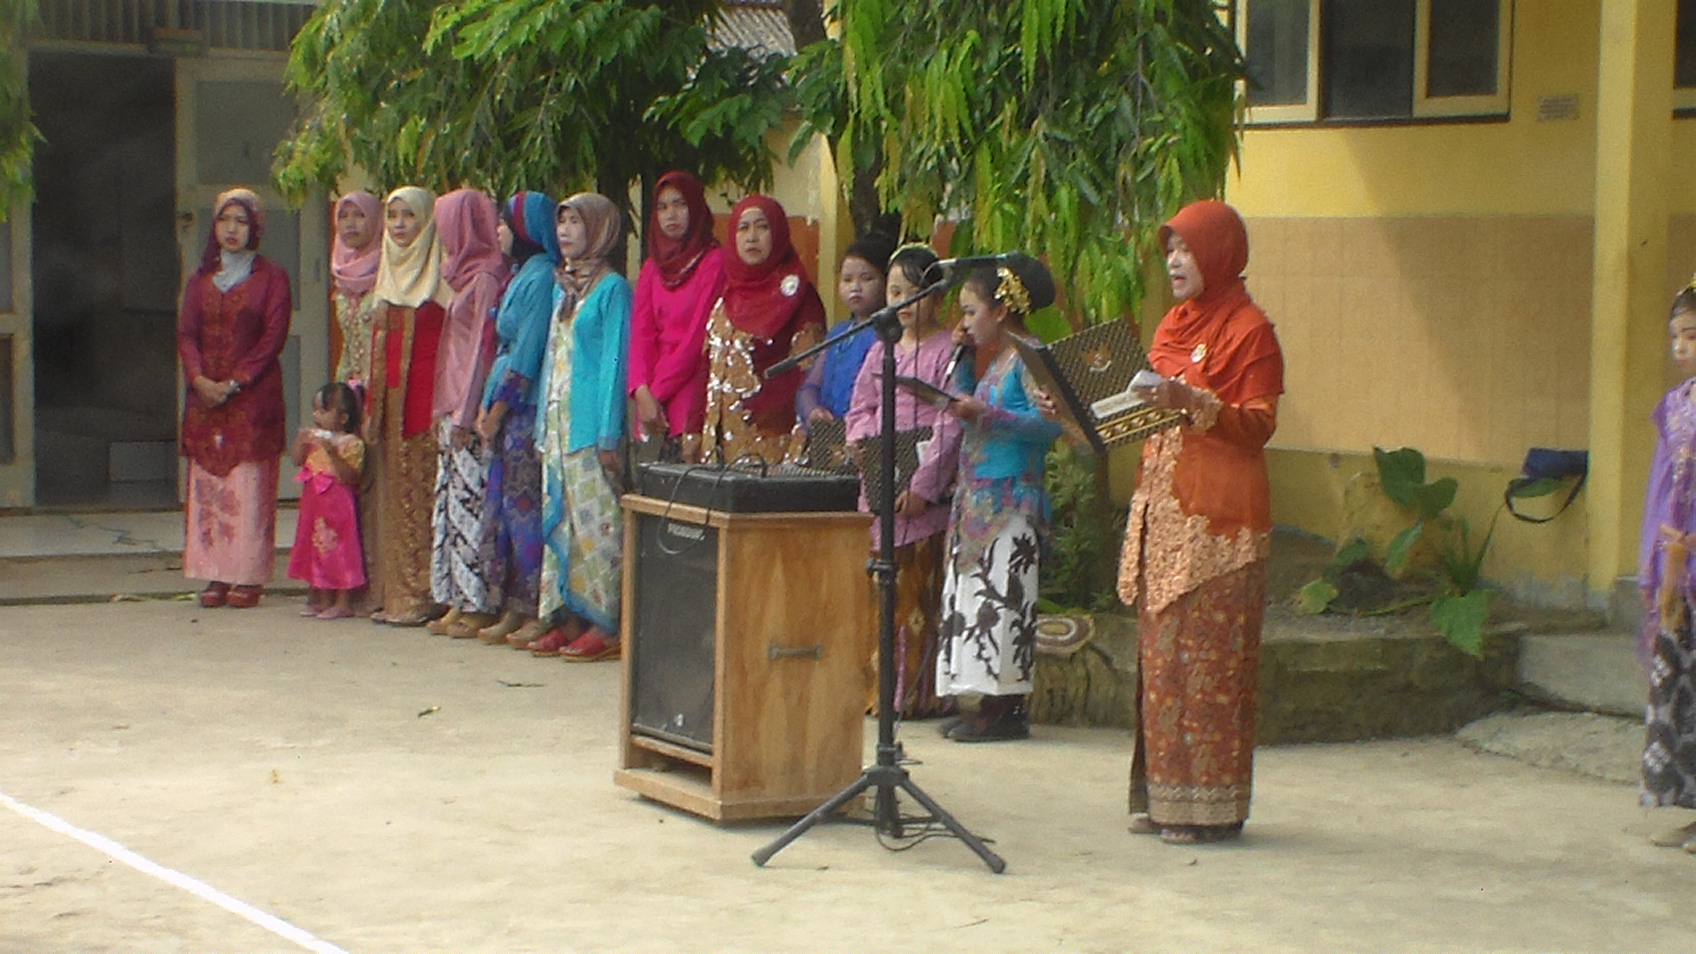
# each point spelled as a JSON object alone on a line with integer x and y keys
{"x": 1069, "y": 128}
{"x": 509, "y": 94}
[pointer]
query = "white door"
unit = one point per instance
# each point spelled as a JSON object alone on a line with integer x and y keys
{"x": 231, "y": 113}
{"x": 17, "y": 364}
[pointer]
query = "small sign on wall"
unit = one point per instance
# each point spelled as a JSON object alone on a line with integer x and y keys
{"x": 1558, "y": 107}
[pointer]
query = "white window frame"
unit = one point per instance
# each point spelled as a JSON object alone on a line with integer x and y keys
{"x": 1424, "y": 107}
{"x": 1493, "y": 104}
{"x": 1307, "y": 110}
{"x": 1683, "y": 97}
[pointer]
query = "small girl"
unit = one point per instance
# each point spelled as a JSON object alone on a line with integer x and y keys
{"x": 1669, "y": 535}
{"x": 326, "y": 550}
{"x": 987, "y": 638}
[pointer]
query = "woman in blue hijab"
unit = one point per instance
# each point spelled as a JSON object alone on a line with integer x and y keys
{"x": 512, "y": 515}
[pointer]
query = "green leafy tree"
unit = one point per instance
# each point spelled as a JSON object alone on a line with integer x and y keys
{"x": 18, "y": 134}
{"x": 510, "y": 94}
{"x": 1070, "y": 128}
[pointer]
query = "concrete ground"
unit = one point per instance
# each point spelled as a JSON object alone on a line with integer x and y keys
{"x": 366, "y": 789}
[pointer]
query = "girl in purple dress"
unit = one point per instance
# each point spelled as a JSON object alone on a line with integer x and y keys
{"x": 921, "y": 505}
{"x": 1665, "y": 640}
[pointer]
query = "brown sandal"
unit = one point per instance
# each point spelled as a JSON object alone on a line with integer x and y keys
{"x": 215, "y": 595}
{"x": 1200, "y": 834}
{"x": 245, "y": 596}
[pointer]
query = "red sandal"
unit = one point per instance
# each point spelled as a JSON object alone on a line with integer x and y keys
{"x": 245, "y": 596}
{"x": 551, "y": 643}
{"x": 215, "y": 595}
{"x": 592, "y": 646}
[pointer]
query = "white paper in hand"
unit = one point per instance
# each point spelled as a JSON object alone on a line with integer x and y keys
{"x": 1147, "y": 379}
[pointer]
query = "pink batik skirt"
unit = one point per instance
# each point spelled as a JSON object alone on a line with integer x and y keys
{"x": 231, "y": 524}
{"x": 326, "y": 550}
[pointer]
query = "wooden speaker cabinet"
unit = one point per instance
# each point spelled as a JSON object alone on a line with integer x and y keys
{"x": 748, "y": 640}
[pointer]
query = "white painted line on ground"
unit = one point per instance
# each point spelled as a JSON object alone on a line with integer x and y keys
{"x": 199, "y": 889}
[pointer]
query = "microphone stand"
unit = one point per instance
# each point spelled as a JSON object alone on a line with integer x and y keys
{"x": 887, "y": 774}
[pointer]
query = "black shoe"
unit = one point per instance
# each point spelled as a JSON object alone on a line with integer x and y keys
{"x": 948, "y": 725}
{"x": 1011, "y": 726}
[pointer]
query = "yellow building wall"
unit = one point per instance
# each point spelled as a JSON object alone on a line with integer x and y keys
{"x": 1431, "y": 284}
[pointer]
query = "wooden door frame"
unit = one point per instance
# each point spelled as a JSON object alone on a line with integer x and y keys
{"x": 309, "y": 323}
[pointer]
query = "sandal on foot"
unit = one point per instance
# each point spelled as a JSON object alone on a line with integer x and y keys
{"x": 1200, "y": 834}
{"x": 245, "y": 596}
{"x": 335, "y": 612}
{"x": 523, "y": 636}
{"x": 215, "y": 595}
{"x": 468, "y": 624}
{"x": 550, "y": 644}
{"x": 1674, "y": 837}
{"x": 592, "y": 646}
{"x": 310, "y": 610}
{"x": 439, "y": 626}
{"x": 405, "y": 619}
{"x": 497, "y": 632}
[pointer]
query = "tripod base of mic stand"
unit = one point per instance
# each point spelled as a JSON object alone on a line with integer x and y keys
{"x": 886, "y": 779}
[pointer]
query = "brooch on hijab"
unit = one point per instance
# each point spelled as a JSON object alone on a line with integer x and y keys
{"x": 1198, "y": 353}
{"x": 790, "y": 285}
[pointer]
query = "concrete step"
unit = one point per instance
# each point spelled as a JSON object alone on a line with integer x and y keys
{"x": 1597, "y": 672}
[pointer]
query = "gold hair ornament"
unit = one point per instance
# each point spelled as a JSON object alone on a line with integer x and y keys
{"x": 1011, "y": 291}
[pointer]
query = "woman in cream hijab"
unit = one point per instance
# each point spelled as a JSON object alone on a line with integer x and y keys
{"x": 411, "y": 301}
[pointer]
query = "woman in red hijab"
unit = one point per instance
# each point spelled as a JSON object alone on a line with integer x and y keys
{"x": 675, "y": 292}
{"x": 1199, "y": 534}
{"x": 769, "y": 310}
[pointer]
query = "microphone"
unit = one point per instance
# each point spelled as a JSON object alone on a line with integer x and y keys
{"x": 960, "y": 351}
{"x": 954, "y": 266}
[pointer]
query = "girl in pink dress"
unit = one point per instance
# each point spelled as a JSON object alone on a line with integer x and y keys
{"x": 326, "y": 552}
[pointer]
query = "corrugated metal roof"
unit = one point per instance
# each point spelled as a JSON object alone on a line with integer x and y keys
{"x": 757, "y": 25}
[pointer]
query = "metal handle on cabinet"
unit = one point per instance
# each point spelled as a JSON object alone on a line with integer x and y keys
{"x": 795, "y": 652}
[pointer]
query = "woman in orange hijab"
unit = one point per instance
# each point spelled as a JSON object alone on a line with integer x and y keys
{"x": 1199, "y": 534}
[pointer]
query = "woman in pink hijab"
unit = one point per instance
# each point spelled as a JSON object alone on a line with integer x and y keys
{"x": 353, "y": 267}
{"x": 476, "y": 269}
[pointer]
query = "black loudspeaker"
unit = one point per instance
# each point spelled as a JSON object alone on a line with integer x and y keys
{"x": 676, "y": 603}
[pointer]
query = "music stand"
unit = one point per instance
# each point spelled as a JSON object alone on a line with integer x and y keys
{"x": 887, "y": 774}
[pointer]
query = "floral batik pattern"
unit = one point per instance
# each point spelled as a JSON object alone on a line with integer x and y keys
{"x": 231, "y": 523}
{"x": 458, "y": 575}
{"x": 512, "y": 515}
{"x": 987, "y": 638}
{"x": 582, "y": 527}
{"x": 1199, "y": 665}
{"x": 1669, "y": 754}
{"x": 730, "y": 433}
